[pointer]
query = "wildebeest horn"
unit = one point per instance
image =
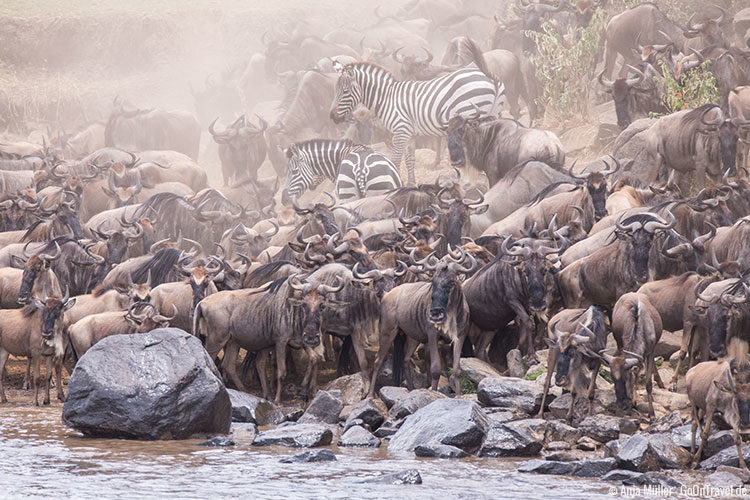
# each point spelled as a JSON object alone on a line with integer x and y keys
{"x": 271, "y": 232}
{"x": 631, "y": 82}
{"x": 51, "y": 258}
{"x": 426, "y": 263}
{"x": 298, "y": 285}
{"x": 332, "y": 288}
{"x": 606, "y": 356}
{"x": 604, "y": 82}
{"x": 714, "y": 261}
{"x": 161, "y": 319}
{"x": 698, "y": 292}
{"x": 318, "y": 259}
{"x": 429, "y": 55}
{"x": 333, "y": 200}
{"x": 702, "y": 239}
{"x": 609, "y": 171}
{"x": 522, "y": 251}
{"x": 369, "y": 275}
{"x": 337, "y": 250}
{"x": 575, "y": 176}
{"x": 399, "y": 270}
{"x": 713, "y": 123}
{"x": 730, "y": 299}
{"x": 694, "y": 27}
{"x": 656, "y": 225}
{"x": 478, "y": 202}
{"x": 633, "y": 226}
{"x": 437, "y": 241}
{"x": 722, "y": 14}
{"x": 461, "y": 268}
{"x": 395, "y": 57}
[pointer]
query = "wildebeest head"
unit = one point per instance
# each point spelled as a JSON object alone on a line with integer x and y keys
{"x": 144, "y": 317}
{"x": 624, "y": 369}
{"x": 457, "y": 130}
{"x": 454, "y": 216}
{"x": 533, "y": 266}
{"x": 413, "y": 67}
{"x": 623, "y": 93}
{"x": 573, "y": 345}
{"x": 710, "y": 29}
{"x": 596, "y": 185}
{"x": 244, "y": 146}
{"x": 320, "y": 214}
{"x": 637, "y": 231}
{"x": 35, "y": 265}
{"x": 348, "y": 93}
{"x": 728, "y": 138}
{"x": 310, "y": 302}
{"x": 139, "y": 292}
{"x": 723, "y": 314}
{"x": 123, "y": 195}
{"x": 382, "y": 280}
{"x": 738, "y": 388}
{"x": 52, "y": 309}
{"x": 249, "y": 241}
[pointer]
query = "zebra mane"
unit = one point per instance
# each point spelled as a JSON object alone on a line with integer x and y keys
{"x": 323, "y": 142}
{"x": 364, "y": 65}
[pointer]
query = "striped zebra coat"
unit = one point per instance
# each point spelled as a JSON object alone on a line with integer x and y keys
{"x": 357, "y": 170}
{"x": 409, "y": 108}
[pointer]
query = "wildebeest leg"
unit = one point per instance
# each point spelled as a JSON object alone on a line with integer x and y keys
{"x": 409, "y": 158}
{"x": 27, "y": 377}
{"x": 649, "y": 385}
{"x": 457, "y": 344}
{"x": 261, "y": 367}
{"x": 738, "y": 444}
{"x": 359, "y": 350}
{"x": 481, "y": 343}
{"x": 686, "y": 346}
{"x": 592, "y": 383}
{"x": 47, "y": 378}
{"x": 707, "y": 416}
{"x": 569, "y": 415}
{"x": 409, "y": 350}
{"x": 280, "y": 369}
{"x": 330, "y": 352}
{"x": 58, "y": 379}
{"x": 36, "y": 362}
{"x": 657, "y": 377}
{"x": 694, "y": 419}
{"x": 388, "y": 332}
{"x": 314, "y": 357}
{"x": 525, "y": 326}
{"x": 435, "y": 364}
{"x": 551, "y": 363}
{"x": 3, "y": 359}
{"x": 229, "y": 364}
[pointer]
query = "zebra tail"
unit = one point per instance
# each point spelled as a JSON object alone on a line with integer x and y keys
{"x": 477, "y": 57}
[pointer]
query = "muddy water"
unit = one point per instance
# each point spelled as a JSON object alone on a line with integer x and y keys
{"x": 39, "y": 457}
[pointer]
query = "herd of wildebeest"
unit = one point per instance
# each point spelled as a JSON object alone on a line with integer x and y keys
{"x": 115, "y": 230}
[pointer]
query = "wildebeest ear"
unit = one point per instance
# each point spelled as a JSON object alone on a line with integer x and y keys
{"x": 480, "y": 209}
{"x": 550, "y": 342}
{"x": 722, "y": 386}
{"x": 70, "y": 303}
{"x": 15, "y": 260}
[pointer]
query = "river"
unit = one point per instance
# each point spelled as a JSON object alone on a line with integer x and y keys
{"x": 39, "y": 457}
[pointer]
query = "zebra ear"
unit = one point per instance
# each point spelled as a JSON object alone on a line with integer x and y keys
{"x": 288, "y": 152}
{"x": 337, "y": 65}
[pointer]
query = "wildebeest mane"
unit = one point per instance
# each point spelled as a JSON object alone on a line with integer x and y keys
{"x": 546, "y": 191}
{"x": 265, "y": 272}
{"x": 274, "y": 286}
{"x": 160, "y": 266}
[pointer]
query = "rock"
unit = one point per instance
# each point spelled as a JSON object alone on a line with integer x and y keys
{"x": 296, "y": 436}
{"x": 681, "y": 436}
{"x": 498, "y": 415}
{"x": 511, "y": 393}
{"x": 548, "y": 467}
{"x": 631, "y": 145}
{"x": 585, "y": 443}
{"x": 354, "y": 422}
{"x": 358, "y": 436}
{"x": 567, "y": 455}
{"x": 668, "y": 344}
{"x": 310, "y": 456}
{"x": 558, "y": 430}
{"x": 391, "y": 395}
{"x": 325, "y": 407}
{"x": 413, "y": 401}
{"x": 352, "y": 388}
{"x": 723, "y": 479}
{"x": 558, "y": 446}
{"x": 217, "y": 441}
{"x": 620, "y": 475}
{"x": 447, "y": 421}
{"x": 602, "y": 428}
{"x": 409, "y": 476}
{"x": 438, "y": 450}
{"x": 629, "y": 426}
{"x": 249, "y": 408}
{"x": 671, "y": 455}
{"x": 156, "y": 385}
{"x": 666, "y": 423}
{"x": 612, "y": 448}
{"x": 671, "y": 401}
{"x": 504, "y": 441}
{"x": 651, "y": 479}
{"x": 716, "y": 442}
{"x": 370, "y": 411}
{"x": 594, "y": 468}
{"x": 727, "y": 456}
{"x": 740, "y": 473}
{"x": 637, "y": 454}
{"x": 292, "y": 413}
{"x": 244, "y": 432}
{"x": 515, "y": 364}
{"x": 534, "y": 427}
{"x": 385, "y": 431}
{"x": 477, "y": 370}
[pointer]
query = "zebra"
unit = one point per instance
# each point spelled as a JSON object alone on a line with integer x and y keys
{"x": 357, "y": 170}
{"x": 408, "y": 108}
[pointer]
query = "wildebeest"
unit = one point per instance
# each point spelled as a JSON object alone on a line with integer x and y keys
{"x": 242, "y": 149}
{"x": 634, "y": 96}
{"x": 495, "y": 147}
{"x": 426, "y": 312}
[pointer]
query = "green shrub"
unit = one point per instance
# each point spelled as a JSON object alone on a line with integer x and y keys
{"x": 535, "y": 374}
{"x": 694, "y": 89}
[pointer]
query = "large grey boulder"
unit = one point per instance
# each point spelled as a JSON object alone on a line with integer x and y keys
{"x": 727, "y": 456}
{"x": 511, "y": 393}
{"x": 296, "y": 436}
{"x": 408, "y": 476}
{"x": 413, "y": 401}
{"x": 637, "y": 454}
{"x": 358, "y": 436}
{"x": 249, "y": 408}
{"x": 370, "y": 411}
{"x": 352, "y": 388}
{"x": 602, "y": 428}
{"x": 325, "y": 407}
{"x": 631, "y": 145}
{"x": 477, "y": 370}
{"x": 453, "y": 422}
{"x": 156, "y": 385}
{"x": 504, "y": 440}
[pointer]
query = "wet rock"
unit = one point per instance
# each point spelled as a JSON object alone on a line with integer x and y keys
{"x": 558, "y": 446}
{"x": 717, "y": 441}
{"x": 637, "y": 454}
{"x": 408, "y": 476}
{"x": 612, "y": 448}
{"x": 594, "y": 468}
{"x": 353, "y": 423}
{"x": 666, "y": 423}
{"x": 447, "y": 421}
{"x": 358, "y": 436}
{"x": 567, "y": 455}
{"x": 511, "y": 393}
{"x": 534, "y": 427}
{"x": 352, "y": 388}
{"x": 370, "y": 411}
{"x": 681, "y": 436}
{"x": 652, "y": 478}
{"x": 325, "y": 407}
{"x": 218, "y": 441}
{"x": 391, "y": 395}
{"x": 498, "y": 415}
{"x": 668, "y": 344}
{"x": 249, "y": 408}
{"x": 602, "y": 428}
{"x": 548, "y": 467}
{"x": 505, "y": 441}
{"x": 292, "y": 413}
{"x": 386, "y": 430}
{"x": 413, "y": 401}
{"x": 723, "y": 479}
{"x": 477, "y": 370}
{"x": 620, "y": 475}
{"x": 310, "y": 456}
{"x": 558, "y": 430}
{"x": 156, "y": 385}
{"x": 438, "y": 450}
{"x": 296, "y": 436}
{"x": 727, "y": 456}
{"x": 515, "y": 364}
{"x": 671, "y": 455}
{"x": 244, "y": 432}
{"x": 585, "y": 443}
